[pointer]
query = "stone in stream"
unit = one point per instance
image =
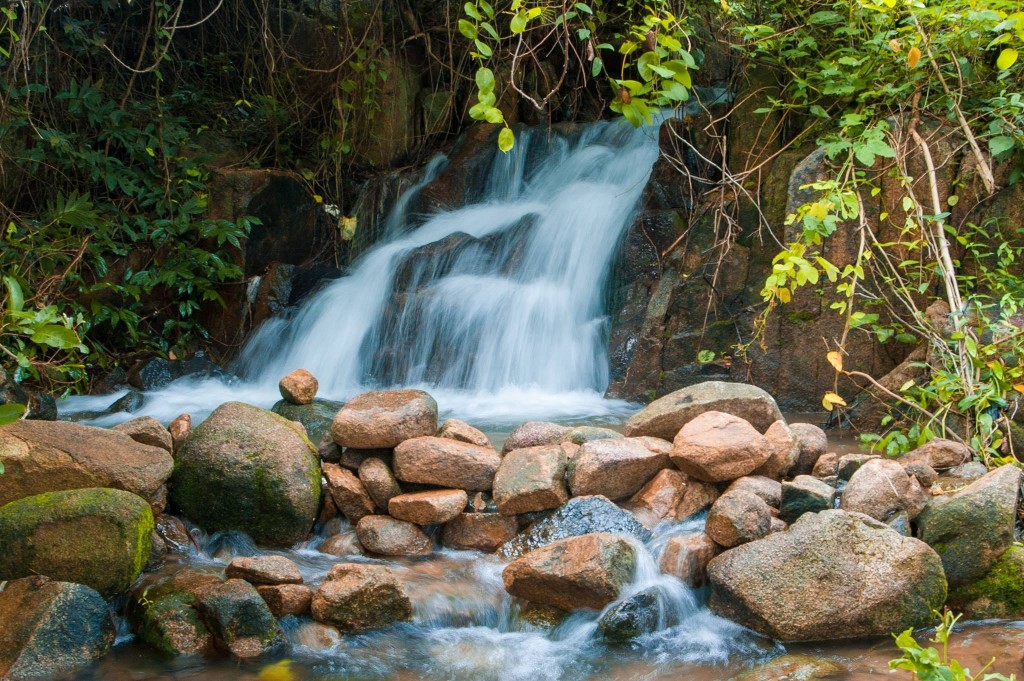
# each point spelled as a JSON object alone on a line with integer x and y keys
{"x": 531, "y": 479}
{"x": 264, "y": 570}
{"x": 767, "y": 488}
{"x": 785, "y": 451}
{"x": 379, "y": 481}
{"x": 580, "y": 435}
{"x": 384, "y": 419}
{"x": 299, "y": 387}
{"x": 358, "y": 597}
{"x": 446, "y": 463}
{"x": 831, "y": 575}
{"x": 97, "y": 537}
{"x": 180, "y": 429}
{"x": 238, "y": 617}
{"x": 588, "y": 571}
{"x": 454, "y": 429}
{"x": 485, "y": 532}
{"x": 535, "y": 434}
{"x": 51, "y": 629}
{"x": 925, "y": 474}
{"x": 738, "y": 517}
{"x": 719, "y": 447}
{"x": 998, "y": 594}
{"x": 315, "y": 417}
{"x": 826, "y": 466}
{"x": 881, "y": 488}
{"x": 341, "y": 545}
{"x": 579, "y": 516}
{"x": 665, "y": 416}
{"x": 348, "y": 492}
{"x": 805, "y": 494}
{"x": 657, "y": 500}
{"x": 812, "y": 443}
{"x": 938, "y": 453}
{"x": 148, "y": 431}
{"x": 433, "y": 507}
{"x": 794, "y": 668}
{"x": 614, "y": 468}
{"x": 163, "y": 614}
{"x": 686, "y": 557}
{"x": 286, "y": 599}
{"x": 630, "y": 618}
{"x": 387, "y": 536}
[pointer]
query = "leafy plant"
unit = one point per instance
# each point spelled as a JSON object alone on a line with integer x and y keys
{"x": 930, "y": 664}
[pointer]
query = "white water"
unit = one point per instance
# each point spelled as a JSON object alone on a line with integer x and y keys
{"x": 505, "y": 323}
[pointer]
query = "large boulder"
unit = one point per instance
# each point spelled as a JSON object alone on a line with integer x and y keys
{"x": 51, "y": 629}
{"x": 665, "y": 416}
{"x": 97, "y": 537}
{"x": 718, "y": 447}
{"x": 614, "y": 468}
{"x": 581, "y": 572}
{"x": 938, "y": 453}
{"x": 998, "y": 594}
{"x": 531, "y": 479}
{"x": 973, "y": 527}
{"x": 446, "y": 463}
{"x": 882, "y": 488}
{"x": 358, "y": 597}
{"x": 47, "y": 456}
{"x": 832, "y": 575}
{"x": 581, "y": 515}
{"x": 247, "y": 469}
{"x": 384, "y": 419}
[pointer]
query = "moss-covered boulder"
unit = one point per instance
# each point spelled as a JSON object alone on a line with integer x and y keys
{"x": 97, "y": 537}
{"x": 250, "y": 470}
{"x": 998, "y": 594}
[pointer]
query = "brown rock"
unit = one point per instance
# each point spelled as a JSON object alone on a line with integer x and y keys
{"x": 174, "y": 533}
{"x": 687, "y": 556}
{"x": 614, "y": 468}
{"x": 848, "y": 464}
{"x": 379, "y": 481}
{"x": 384, "y": 419}
{"x": 352, "y": 459}
{"x": 696, "y": 497}
{"x": 665, "y": 416}
{"x": 766, "y": 488}
{"x": 180, "y": 428}
{"x": 738, "y": 517}
{"x": 571, "y": 449}
{"x": 716, "y": 447}
{"x": 535, "y": 434}
{"x": 434, "y": 507}
{"x": 264, "y": 570}
{"x": 580, "y": 572}
{"x": 349, "y": 494}
{"x": 389, "y": 536}
{"x": 655, "y": 444}
{"x": 880, "y": 489}
{"x": 778, "y": 525}
{"x": 341, "y": 545}
{"x": 938, "y": 453}
{"x": 148, "y": 431}
{"x": 785, "y": 451}
{"x": 925, "y": 474}
{"x": 328, "y": 510}
{"x": 358, "y": 597}
{"x": 454, "y": 429}
{"x": 812, "y": 443}
{"x": 238, "y": 617}
{"x": 484, "y": 532}
{"x": 299, "y": 387}
{"x": 531, "y": 479}
{"x": 286, "y": 599}
{"x": 658, "y": 499}
{"x": 446, "y": 463}
{"x": 826, "y": 466}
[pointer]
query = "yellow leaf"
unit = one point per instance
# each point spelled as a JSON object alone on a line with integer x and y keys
{"x": 913, "y": 56}
{"x": 894, "y": 45}
{"x": 836, "y": 360}
{"x": 348, "y": 228}
{"x": 318, "y": 198}
{"x": 279, "y": 671}
{"x": 825, "y": 403}
{"x": 783, "y": 294}
{"x": 1007, "y": 58}
{"x": 833, "y": 398}
{"x": 1019, "y": 388}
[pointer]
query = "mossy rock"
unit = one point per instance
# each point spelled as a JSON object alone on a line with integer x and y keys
{"x": 95, "y": 536}
{"x": 170, "y": 623}
{"x": 316, "y": 416}
{"x": 250, "y": 470}
{"x": 998, "y": 594}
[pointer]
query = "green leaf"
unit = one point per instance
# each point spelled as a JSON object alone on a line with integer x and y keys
{"x": 467, "y": 29}
{"x": 1007, "y": 58}
{"x": 506, "y": 140}
{"x": 471, "y": 11}
{"x": 494, "y": 115}
{"x": 56, "y": 336}
{"x": 518, "y": 24}
{"x": 15, "y": 296}
{"x": 485, "y": 80}
{"x": 483, "y": 48}
{"x": 9, "y": 413}
{"x": 1001, "y": 144}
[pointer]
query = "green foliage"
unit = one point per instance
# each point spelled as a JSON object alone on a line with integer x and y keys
{"x": 929, "y": 664}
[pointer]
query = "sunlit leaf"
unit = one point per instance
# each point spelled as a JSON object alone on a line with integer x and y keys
{"x": 1007, "y": 58}
{"x": 835, "y": 359}
{"x": 913, "y": 56}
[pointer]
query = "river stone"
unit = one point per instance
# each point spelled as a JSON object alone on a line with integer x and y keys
{"x": 767, "y": 488}
{"x": 614, "y": 468}
{"x": 348, "y": 492}
{"x": 299, "y": 387}
{"x": 352, "y": 459}
{"x": 998, "y": 594}
{"x": 286, "y": 599}
{"x": 938, "y": 453}
{"x": 165, "y": 617}
{"x": 180, "y": 429}
{"x": 535, "y": 434}
{"x": 97, "y": 537}
{"x": 973, "y": 527}
{"x": 580, "y": 572}
{"x": 579, "y": 516}
{"x": 341, "y": 544}
{"x": 315, "y": 417}
{"x": 247, "y": 469}
{"x": 359, "y": 597}
{"x": 925, "y": 474}
{"x": 718, "y": 447}
{"x": 697, "y": 496}
{"x": 174, "y": 533}
{"x": 384, "y": 419}
{"x": 793, "y": 585}
{"x": 665, "y": 416}
{"x": 826, "y": 466}
{"x": 238, "y": 618}
{"x": 686, "y": 558}
{"x": 379, "y": 481}
{"x": 484, "y": 532}
{"x": 881, "y": 488}
{"x": 48, "y": 456}
{"x": 531, "y": 479}
{"x": 446, "y": 463}
{"x": 785, "y": 451}
{"x": 387, "y": 536}
{"x": 264, "y": 570}
{"x": 805, "y": 494}
{"x": 454, "y": 429}
{"x": 848, "y": 464}
{"x": 433, "y": 507}
{"x": 630, "y": 618}
{"x": 794, "y": 668}
{"x": 51, "y": 629}
{"x": 738, "y": 517}
{"x": 148, "y": 431}
{"x": 581, "y": 435}
{"x": 658, "y": 499}
{"x": 812, "y": 443}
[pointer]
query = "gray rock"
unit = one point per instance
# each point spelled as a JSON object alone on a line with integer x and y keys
{"x": 812, "y": 443}
{"x": 631, "y": 617}
{"x": 315, "y": 417}
{"x": 665, "y": 416}
{"x": 805, "y": 494}
{"x": 535, "y": 434}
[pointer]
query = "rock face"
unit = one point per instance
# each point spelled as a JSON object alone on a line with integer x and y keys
{"x": 794, "y": 585}
{"x": 484, "y": 532}
{"x": 299, "y": 387}
{"x": 358, "y": 597}
{"x": 264, "y": 570}
{"x": 446, "y": 463}
{"x": 581, "y": 515}
{"x": 389, "y": 536}
{"x": 248, "y": 469}
{"x": 148, "y": 431}
{"x": 973, "y": 527}
{"x": 238, "y": 617}
{"x": 717, "y": 447}
{"x": 348, "y": 492}
{"x": 454, "y": 429}
{"x": 51, "y": 629}
{"x": 581, "y": 572}
{"x": 97, "y": 537}
{"x": 881, "y": 489}
{"x": 433, "y": 507}
{"x": 384, "y": 419}
{"x": 686, "y": 557}
{"x": 812, "y": 443}
{"x": 535, "y": 434}
{"x": 614, "y": 468}
{"x": 531, "y": 479}
{"x": 665, "y": 416}
{"x": 47, "y": 456}
{"x": 738, "y": 517}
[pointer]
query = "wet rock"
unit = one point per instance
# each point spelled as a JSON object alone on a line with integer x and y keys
{"x": 180, "y": 429}
{"x": 446, "y": 463}
{"x": 389, "y": 536}
{"x": 805, "y": 494}
{"x": 51, "y": 629}
{"x": 965, "y": 473}
{"x": 686, "y": 557}
{"x": 299, "y": 387}
{"x": 614, "y": 468}
{"x": 47, "y": 456}
{"x": 286, "y": 599}
{"x": 717, "y": 447}
{"x": 485, "y": 532}
{"x": 900, "y": 522}
{"x": 360, "y": 597}
{"x": 658, "y": 499}
{"x": 97, "y": 537}
{"x": 535, "y": 434}
{"x": 174, "y": 533}
{"x": 157, "y": 372}
{"x": 531, "y": 479}
{"x": 880, "y": 489}
{"x": 973, "y": 527}
{"x": 666, "y": 416}
{"x": 264, "y": 570}
{"x": 148, "y": 431}
{"x": 738, "y": 517}
{"x": 434, "y": 507}
{"x": 768, "y": 489}
{"x": 848, "y": 464}
{"x": 785, "y": 451}
{"x": 630, "y": 618}
{"x": 998, "y": 594}
{"x": 453, "y": 429}
{"x": 129, "y": 403}
{"x": 341, "y": 545}
{"x": 579, "y": 516}
{"x": 352, "y": 459}
{"x": 41, "y": 406}
{"x": 379, "y": 481}
{"x": 697, "y": 496}
{"x": 938, "y": 453}
{"x": 250, "y": 470}
{"x": 826, "y": 466}
{"x": 581, "y": 572}
{"x": 348, "y": 492}
{"x": 794, "y": 668}
{"x": 581, "y": 435}
{"x": 385, "y": 419}
{"x": 164, "y": 615}
{"x": 791, "y": 585}
{"x": 238, "y": 618}
{"x": 812, "y": 443}
{"x": 315, "y": 417}
{"x": 925, "y": 474}
{"x": 542, "y": 616}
